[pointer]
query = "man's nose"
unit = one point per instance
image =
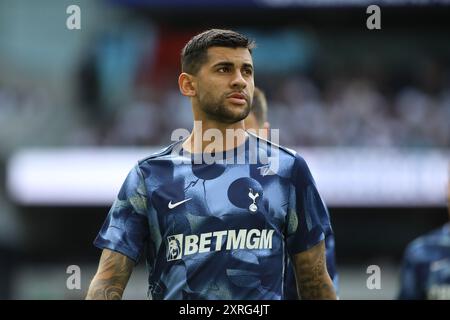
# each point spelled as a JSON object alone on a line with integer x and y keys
{"x": 238, "y": 81}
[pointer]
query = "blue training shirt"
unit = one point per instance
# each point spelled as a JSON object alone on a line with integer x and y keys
{"x": 219, "y": 230}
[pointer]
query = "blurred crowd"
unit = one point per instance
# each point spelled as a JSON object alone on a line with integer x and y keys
{"x": 124, "y": 93}
{"x": 353, "y": 112}
{"x": 346, "y": 112}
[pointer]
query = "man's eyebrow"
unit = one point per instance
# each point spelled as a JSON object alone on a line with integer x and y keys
{"x": 223, "y": 64}
{"x": 247, "y": 65}
{"x": 231, "y": 64}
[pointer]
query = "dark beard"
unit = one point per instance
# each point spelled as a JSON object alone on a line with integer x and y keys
{"x": 216, "y": 110}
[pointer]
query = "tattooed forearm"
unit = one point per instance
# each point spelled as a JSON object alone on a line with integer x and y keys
{"x": 313, "y": 281}
{"x": 313, "y": 284}
{"x": 104, "y": 290}
{"x": 112, "y": 276}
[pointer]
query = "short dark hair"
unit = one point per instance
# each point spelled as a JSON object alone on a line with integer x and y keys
{"x": 259, "y": 106}
{"x": 194, "y": 53}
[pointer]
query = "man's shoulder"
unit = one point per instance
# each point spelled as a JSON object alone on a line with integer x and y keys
{"x": 275, "y": 147}
{"x": 291, "y": 163}
{"x": 162, "y": 153}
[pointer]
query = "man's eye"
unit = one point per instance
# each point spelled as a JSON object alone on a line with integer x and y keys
{"x": 248, "y": 72}
{"x": 223, "y": 69}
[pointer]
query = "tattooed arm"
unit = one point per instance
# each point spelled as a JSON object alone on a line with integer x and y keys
{"x": 112, "y": 276}
{"x": 313, "y": 281}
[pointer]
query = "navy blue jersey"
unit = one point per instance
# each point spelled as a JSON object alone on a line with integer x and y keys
{"x": 426, "y": 267}
{"x": 219, "y": 230}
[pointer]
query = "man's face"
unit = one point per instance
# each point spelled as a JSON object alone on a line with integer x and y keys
{"x": 225, "y": 84}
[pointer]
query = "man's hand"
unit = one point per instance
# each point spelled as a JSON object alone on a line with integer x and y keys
{"x": 112, "y": 276}
{"x": 313, "y": 281}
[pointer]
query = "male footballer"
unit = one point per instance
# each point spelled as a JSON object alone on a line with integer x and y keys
{"x": 220, "y": 229}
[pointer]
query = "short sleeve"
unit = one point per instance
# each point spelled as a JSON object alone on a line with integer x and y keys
{"x": 308, "y": 221}
{"x": 125, "y": 229}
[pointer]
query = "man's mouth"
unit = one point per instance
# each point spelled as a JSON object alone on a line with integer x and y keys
{"x": 237, "y": 98}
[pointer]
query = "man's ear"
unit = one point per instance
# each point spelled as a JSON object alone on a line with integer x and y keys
{"x": 186, "y": 85}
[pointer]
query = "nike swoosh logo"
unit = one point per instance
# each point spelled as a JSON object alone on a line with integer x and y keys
{"x": 265, "y": 170}
{"x": 173, "y": 205}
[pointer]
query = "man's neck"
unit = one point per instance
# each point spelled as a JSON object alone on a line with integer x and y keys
{"x": 207, "y": 136}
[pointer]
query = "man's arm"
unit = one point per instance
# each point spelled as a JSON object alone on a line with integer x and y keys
{"x": 313, "y": 281}
{"x": 112, "y": 276}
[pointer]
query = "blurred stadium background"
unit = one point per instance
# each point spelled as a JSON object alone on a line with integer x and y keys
{"x": 369, "y": 110}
